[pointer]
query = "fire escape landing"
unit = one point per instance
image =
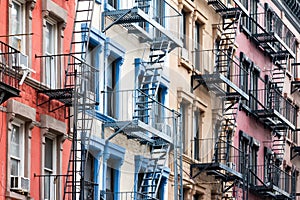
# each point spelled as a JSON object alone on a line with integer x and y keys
{"x": 9, "y": 75}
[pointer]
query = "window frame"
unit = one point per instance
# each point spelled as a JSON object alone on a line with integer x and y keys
{"x": 197, "y": 127}
{"x": 47, "y": 171}
{"x": 22, "y": 45}
{"x": 53, "y": 71}
{"x": 21, "y": 164}
{"x": 183, "y": 28}
{"x": 184, "y": 125}
{"x": 198, "y": 45}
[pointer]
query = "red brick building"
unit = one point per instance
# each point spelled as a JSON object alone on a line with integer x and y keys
{"x": 34, "y": 133}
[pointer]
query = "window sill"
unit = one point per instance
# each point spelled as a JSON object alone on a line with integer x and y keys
{"x": 14, "y": 195}
{"x": 185, "y": 64}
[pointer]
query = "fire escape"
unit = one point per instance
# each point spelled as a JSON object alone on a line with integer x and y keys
{"x": 10, "y": 65}
{"x": 150, "y": 122}
{"x": 75, "y": 94}
{"x": 225, "y": 162}
{"x": 269, "y": 105}
{"x": 295, "y": 87}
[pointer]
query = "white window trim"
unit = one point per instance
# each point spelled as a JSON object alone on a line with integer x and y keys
{"x": 23, "y": 25}
{"x": 53, "y": 187}
{"x": 21, "y": 159}
{"x": 53, "y": 81}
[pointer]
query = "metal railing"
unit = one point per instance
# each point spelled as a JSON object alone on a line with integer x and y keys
{"x": 271, "y": 175}
{"x": 121, "y": 105}
{"x": 54, "y": 76}
{"x": 217, "y": 150}
{"x": 204, "y": 59}
{"x": 232, "y": 69}
{"x": 265, "y": 99}
{"x": 125, "y": 196}
{"x": 10, "y": 65}
{"x": 269, "y": 22}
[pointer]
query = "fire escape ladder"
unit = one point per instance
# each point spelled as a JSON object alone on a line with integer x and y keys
{"x": 78, "y": 76}
{"x": 278, "y": 143}
{"x": 151, "y": 78}
{"x": 279, "y": 70}
{"x": 230, "y": 108}
{"x": 154, "y": 170}
{"x": 230, "y": 24}
{"x": 10, "y": 64}
{"x": 80, "y": 37}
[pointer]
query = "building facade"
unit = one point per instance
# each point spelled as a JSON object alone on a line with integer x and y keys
{"x": 150, "y": 99}
{"x": 33, "y": 132}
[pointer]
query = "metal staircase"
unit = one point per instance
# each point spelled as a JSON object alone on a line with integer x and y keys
{"x": 278, "y": 143}
{"x": 151, "y": 78}
{"x": 231, "y": 18}
{"x": 153, "y": 174}
{"x": 226, "y": 129}
{"x": 278, "y": 73}
{"x": 225, "y": 164}
{"x": 78, "y": 76}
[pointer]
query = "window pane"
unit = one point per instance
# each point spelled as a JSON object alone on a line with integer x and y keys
{"x": 16, "y": 24}
{"x": 49, "y": 153}
{"x": 49, "y": 38}
{"x": 108, "y": 179}
{"x": 47, "y": 186}
{"x": 16, "y": 18}
{"x": 15, "y": 141}
{"x": 14, "y": 167}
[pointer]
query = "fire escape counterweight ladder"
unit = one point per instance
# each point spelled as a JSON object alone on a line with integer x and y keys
{"x": 77, "y": 77}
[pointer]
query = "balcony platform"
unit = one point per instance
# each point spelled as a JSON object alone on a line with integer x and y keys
{"x": 266, "y": 38}
{"x": 274, "y": 119}
{"x": 64, "y": 95}
{"x": 272, "y": 190}
{"x": 214, "y": 83}
{"x": 219, "y": 170}
{"x": 7, "y": 91}
{"x": 139, "y": 130}
{"x": 126, "y": 17}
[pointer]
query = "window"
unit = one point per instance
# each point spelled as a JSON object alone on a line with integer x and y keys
{"x": 16, "y": 153}
{"x": 89, "y": 177}
{"x": 253, "y": 14}
{"x": 183, "y": 28}
{"x": 268, "y": 160}
{"x": 184, "y": 115}
{"x": 287, "y": 179}
{"x": 50, "y": 42}
{"x": 243, "y": 150}
{"x": 245, "y": 66}
{"x": 253, "y": 163}
{"x": 92, "y": 60}
{"x": 49, "y": 169}
{"x": 159, "y": 9}
{"x": 110, "y": 172}
{"x": 196, "y": 132}
{"x": 113, "y": 3}
{"x": 197, "y": 45}
{"x": 254, "y": 88}
{"x": 18, "y": 25}
{"x": 159, "y": 110}
{"x": 111, "y": 87}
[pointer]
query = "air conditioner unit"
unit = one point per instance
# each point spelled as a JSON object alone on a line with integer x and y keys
{"x": 19, "y": 183}
{"x": 231, "y": 165}
{"x": 23, "y": 60}
{"x": 18, "y": 61}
